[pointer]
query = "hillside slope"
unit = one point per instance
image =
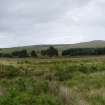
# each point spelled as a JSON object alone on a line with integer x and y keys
{"x": 91, "y": 44}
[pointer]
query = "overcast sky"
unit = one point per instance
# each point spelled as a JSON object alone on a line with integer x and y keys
{"x": 29, "y": 22}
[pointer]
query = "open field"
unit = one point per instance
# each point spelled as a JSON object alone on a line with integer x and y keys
{"x": 56, "y": 81}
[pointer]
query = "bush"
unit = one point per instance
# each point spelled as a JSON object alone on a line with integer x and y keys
{"x": 10, "y": 98}
{"x": 8, "y": 71}
{"x": 28, "y": 92}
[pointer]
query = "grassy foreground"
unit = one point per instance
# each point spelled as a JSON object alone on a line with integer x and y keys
{"x": 73, "y": 81}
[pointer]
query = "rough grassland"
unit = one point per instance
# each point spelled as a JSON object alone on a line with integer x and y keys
{"x": 65, "y": 81}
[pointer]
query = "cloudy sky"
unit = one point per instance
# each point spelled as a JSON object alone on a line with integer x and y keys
{"x": 29, "y": 22}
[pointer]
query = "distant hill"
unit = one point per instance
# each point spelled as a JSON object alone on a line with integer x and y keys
{"x": 91, "y": 44}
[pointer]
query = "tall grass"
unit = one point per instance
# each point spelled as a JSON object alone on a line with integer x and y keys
{"x": 52, "y": 82}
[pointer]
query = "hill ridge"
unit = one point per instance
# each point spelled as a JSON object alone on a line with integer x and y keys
{"x": 89, "y": 44}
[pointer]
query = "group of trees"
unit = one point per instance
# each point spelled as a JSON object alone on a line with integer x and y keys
{"x": 22, "y": 53}
{"x": 50, "y": 52}
{"x": 83, "y": 51}
{"x": 53, "y": 52}
{"x": 19, "y": 54}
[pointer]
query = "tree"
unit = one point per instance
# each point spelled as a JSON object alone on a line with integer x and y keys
{"x": 51, "y": 51}
{"x": 33, "y": 54}
{"x": 20, "y": 54}
{"x": 43, "y": 52}
{"x": 24, "y": 53}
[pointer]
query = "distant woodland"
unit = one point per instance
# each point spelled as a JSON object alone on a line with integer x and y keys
{"x": 53, "y": 52}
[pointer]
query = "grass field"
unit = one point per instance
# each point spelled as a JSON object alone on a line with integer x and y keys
{"x": 56, "y": 81}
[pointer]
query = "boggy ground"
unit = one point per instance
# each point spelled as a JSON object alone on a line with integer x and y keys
{"x": 61, "y": 81}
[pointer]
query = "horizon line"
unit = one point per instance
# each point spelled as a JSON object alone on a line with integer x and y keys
{"x": 49, "y": 44}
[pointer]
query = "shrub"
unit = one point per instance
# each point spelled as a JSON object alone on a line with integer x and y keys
{"x": 8, "y": 71}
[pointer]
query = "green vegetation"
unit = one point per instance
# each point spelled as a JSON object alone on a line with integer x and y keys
{"x": 33, "y": 54}
{"x": 91, "y": 44}
{"x": 17, "y": 87}
{"x": 51, "y": 52}
{"x": 27, "y": 92}
{"x": 63, "y": 81}
{"x": 83, "y": 51}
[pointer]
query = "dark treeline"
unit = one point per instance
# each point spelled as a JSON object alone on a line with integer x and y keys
{"x": 50, "y": 52}
{"x": 53, "y": 52}
{"x": 20, "y": 54}
{"x": 83, "y": 51}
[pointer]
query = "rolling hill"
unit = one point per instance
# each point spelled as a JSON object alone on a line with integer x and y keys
{"x": 91, "y": 44}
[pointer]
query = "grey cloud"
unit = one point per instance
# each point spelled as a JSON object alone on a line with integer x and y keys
{"x": 24, "y": 22}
